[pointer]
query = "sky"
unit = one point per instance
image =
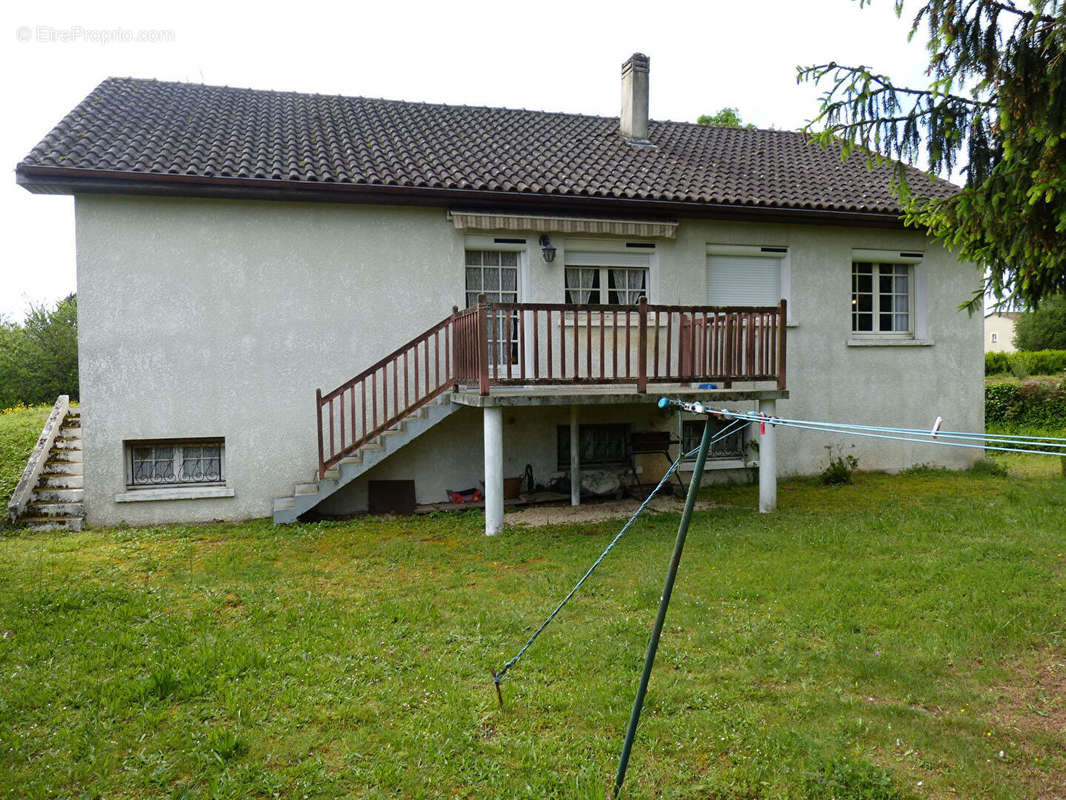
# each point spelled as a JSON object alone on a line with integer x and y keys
{"x": 551, "y": 56}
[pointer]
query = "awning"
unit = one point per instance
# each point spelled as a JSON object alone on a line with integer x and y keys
{"x": 490, "y": 221}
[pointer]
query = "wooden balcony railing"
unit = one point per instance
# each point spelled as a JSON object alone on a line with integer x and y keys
{"x": 544, "y": 343}
{"x": 536, "y": 344}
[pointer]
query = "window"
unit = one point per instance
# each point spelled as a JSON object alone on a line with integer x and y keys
{"x": 601, "y": 445}
{"x": 731, "y": 447}
{"x": 494, "y": 273}
{"x": 607, "y": 272}
{"x": 747, "y": 275}
{"x": 174, "y": 463}
{"x": 995, "y": 338}
{"x": 881, "y": 298}
{"x": 625, "y": 285}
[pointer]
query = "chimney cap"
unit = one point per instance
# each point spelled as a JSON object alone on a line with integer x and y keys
{"x": 638, "y": 62}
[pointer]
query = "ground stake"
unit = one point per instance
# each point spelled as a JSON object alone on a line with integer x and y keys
{"x": 664, "y": 602}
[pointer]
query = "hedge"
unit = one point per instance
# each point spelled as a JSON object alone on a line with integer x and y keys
{"x": 1039, "y": 404}
{"x": 1024, "y": 363}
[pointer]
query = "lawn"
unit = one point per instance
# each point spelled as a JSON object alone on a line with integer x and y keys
{"x": 900, "y": 637}
{"x": 19, "y": 430}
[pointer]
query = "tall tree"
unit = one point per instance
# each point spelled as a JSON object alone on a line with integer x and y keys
{"x": 996, "y": 98}
{"x": 39, "y": 358}
{"x": 1044, "y": 328}
{"x": 727, "y": 117}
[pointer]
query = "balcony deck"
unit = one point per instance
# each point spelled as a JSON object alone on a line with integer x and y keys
{"x": 591, "y": 395}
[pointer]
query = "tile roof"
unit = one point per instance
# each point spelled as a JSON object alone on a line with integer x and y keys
{"x": 154, "y": 128}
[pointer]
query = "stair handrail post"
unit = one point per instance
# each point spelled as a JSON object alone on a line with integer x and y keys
{"x": 454, "y": 334}
{"x": 642, "y": 344}
{"x": 483, "y": 344}
{"x": 782, "y": 337}
{"x": 318, "y": 425}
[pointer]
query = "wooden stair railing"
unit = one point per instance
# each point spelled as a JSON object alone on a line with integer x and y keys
{"x": 381, "y": 396}
{"x": 532, "y": 344}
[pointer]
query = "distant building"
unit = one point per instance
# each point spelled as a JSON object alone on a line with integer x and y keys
{"x": 999, "y": 331}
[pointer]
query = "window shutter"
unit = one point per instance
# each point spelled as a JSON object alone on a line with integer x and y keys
{"x": 743, "y": 280}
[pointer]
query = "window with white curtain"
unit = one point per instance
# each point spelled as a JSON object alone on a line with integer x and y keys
{"x": 881, "y": 298}
{"x": 606, "y": 278}
{"x": 493, "y": 273}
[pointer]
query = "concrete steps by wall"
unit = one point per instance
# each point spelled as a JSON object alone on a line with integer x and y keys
{"x": 57, "y": 501}
{"x": 309, "y": 494}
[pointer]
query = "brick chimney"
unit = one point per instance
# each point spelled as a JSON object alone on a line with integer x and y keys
{"x": 634, "y": 122}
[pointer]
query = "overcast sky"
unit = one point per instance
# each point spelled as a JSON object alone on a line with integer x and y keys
{"x": 553, "y": 56}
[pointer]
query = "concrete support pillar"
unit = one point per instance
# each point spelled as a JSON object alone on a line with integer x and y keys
{"x": 575, "y": 459}
{"x": 768, "y": 461}
{"x": 493, "y": 470}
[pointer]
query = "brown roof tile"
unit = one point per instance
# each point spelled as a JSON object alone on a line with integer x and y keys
{"x": 150, "y": 127}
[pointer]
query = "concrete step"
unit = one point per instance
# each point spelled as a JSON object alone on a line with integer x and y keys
{"x": 61, "y": 481}
{"x": 54, "y": 495}
{"x": 308, "y": 495}
{"x": 64, "y": 456}
{"x": 37, "y": 508}
{"x": 62, "y": 468}
{"x": 67, "y": 443}
{"x": 52, "y": 523}
{"x": 70, "y": 430}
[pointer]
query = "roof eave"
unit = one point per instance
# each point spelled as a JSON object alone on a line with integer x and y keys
{"x": 59, "y": 180}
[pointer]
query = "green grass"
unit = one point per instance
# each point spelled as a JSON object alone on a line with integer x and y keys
{"x": 1026, "y": 465}
{"x": 19, "y": 430}
{"x": 887, "y": 639}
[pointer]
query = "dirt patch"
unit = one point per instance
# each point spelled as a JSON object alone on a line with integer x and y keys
{"x": 1033, "y": 705}
{"x": 536, "y": 516}
{"x": 1036, "y": 701}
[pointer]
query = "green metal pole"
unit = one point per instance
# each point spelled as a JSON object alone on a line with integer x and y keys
{"x": 664, "y": 602}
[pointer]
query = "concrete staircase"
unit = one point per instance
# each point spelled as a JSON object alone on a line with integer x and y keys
{"x": 56, "y": 502}
{"x": 308, "y": 495}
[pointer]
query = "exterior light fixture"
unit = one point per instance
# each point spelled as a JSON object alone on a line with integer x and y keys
{"x": 547, "y": 249}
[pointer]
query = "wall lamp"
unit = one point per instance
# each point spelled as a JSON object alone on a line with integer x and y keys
{"x": 547, "y": 249}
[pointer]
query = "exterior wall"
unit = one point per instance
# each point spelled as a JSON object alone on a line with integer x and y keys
{"x": 1002, "y": 325}
{"x": 221, "y": 317}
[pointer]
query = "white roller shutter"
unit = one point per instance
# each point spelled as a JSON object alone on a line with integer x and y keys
{"x": 734, "y": 280}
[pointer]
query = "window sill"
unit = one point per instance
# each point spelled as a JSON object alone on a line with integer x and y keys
{"x": 720, "y": 463}
{"x": 173, "y": 493}
{"x": 889, "y": 342}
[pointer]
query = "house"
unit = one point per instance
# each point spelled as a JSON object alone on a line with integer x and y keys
{"x": 999, "y": 331}
{"x": 293, "y": 302}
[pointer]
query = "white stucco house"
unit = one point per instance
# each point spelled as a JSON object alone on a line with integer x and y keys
{"x": 999, "y": 331}
{"x": 279, "y": 297}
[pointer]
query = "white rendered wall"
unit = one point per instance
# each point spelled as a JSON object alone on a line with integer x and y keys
{"x": 220, "y": 318}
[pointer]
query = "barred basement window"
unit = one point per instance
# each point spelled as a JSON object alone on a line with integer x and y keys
{"x": 602, "y": 445}
{"x": 731, "y": 447}
{"x": 175, "y": 463}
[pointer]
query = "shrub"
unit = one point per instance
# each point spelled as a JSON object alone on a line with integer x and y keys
{"x": 1025, "y": 363}
{"x": 1038, "y": 404}
{"x": 987, "y": 466}
{"x": 997, "y": 363}
{"x": 839, "y": 469}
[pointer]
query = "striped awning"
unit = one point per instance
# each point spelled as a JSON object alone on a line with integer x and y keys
{"x": 491, "y": 221}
